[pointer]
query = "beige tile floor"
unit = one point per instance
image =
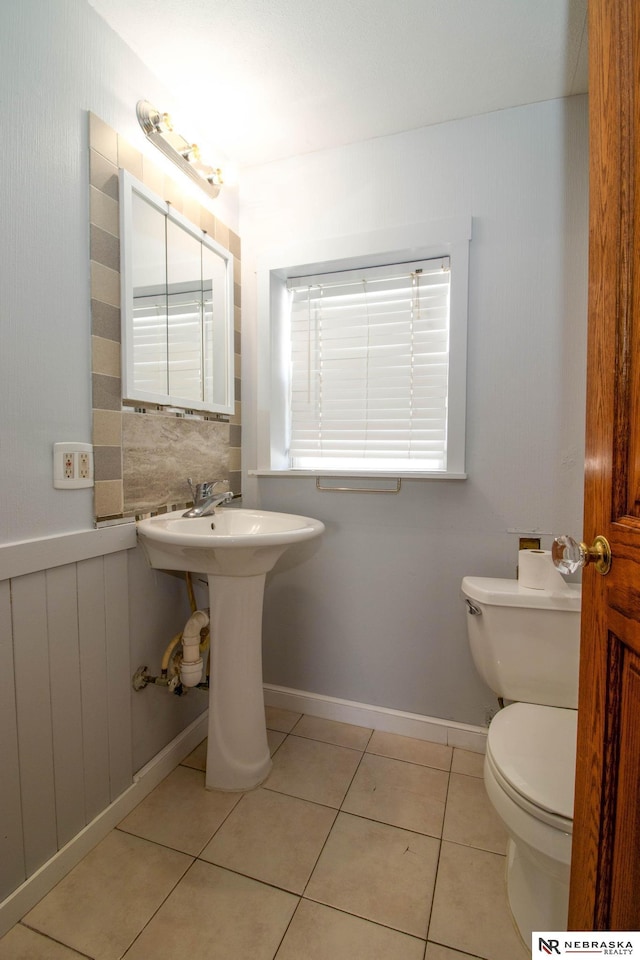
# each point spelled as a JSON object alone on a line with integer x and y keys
{"x": 360, "y": 845}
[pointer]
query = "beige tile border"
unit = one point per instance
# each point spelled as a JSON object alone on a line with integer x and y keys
{"x": 103, "y": 211}
{"x": 103, "y": 139}
{"x": 105, "y": 284}
{"x": 108, "y": 498}
{"x": 107, "y": 428}
{"x": 105, "y": 355}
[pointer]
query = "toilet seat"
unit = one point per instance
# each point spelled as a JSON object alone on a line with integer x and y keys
{"x": 531, "y": 751}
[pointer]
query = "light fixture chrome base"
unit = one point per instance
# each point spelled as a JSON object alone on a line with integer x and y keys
{"x": 158, "y": 129}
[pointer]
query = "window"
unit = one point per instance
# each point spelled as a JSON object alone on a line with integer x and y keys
{"x": 362, "y": 366}
{"x": 369, "y": 368}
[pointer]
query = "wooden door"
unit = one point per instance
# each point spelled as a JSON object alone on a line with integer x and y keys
{"x": 605, "y": 878}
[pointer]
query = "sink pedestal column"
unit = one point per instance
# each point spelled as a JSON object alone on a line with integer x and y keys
{"x": 238, "y": 755}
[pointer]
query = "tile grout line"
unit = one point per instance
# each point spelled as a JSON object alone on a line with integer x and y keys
{"x": 317, "y": 859}
{"x": 160, "y": 905}
{"x": 435, "y": 879}
{"x": 47, "y": 936}
{"x": 376, "y": 923}
{"x": 286, "y": 931}
{"x": 339, "y": 810}
{"x": 463, "y": 953}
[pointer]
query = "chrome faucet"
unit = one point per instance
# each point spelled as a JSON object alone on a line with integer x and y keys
{"x": 205, "y": 500}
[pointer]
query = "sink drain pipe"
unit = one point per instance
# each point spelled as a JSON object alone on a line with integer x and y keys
{"x": 191, "y": 666}
{"x": 188, "y": 669}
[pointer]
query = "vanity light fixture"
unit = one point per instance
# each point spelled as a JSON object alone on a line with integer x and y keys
{"x": 159, "y": 130}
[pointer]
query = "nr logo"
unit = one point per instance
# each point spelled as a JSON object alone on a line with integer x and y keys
{"x": 549, "y": 946}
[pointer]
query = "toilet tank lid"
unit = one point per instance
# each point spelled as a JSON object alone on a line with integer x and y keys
{"x": 509, "y": 593}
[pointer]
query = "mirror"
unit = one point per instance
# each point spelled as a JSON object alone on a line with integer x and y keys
{"x": 177, "y": 307}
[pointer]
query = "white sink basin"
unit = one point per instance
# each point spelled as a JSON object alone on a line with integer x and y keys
{"x": 232, "y": 542}
{"x": 236, "y": 549}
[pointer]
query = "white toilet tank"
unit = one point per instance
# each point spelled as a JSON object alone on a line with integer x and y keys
{"x": 525, "y": 643}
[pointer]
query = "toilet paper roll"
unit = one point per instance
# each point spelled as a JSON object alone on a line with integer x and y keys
{"x": 537, "y": 571}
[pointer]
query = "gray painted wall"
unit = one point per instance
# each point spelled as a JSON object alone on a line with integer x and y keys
{"x": 374, "y": 614}
{"x": 57, "y": 61}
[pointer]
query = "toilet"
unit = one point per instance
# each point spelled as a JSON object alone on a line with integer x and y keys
{"x": 525, "y": 644}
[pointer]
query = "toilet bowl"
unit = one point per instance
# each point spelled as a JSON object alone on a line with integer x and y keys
{"x": 529, "y": 776}
{"x": 525, "y": 644}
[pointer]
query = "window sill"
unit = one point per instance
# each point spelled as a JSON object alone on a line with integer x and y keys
{"x": 361, "y": 474}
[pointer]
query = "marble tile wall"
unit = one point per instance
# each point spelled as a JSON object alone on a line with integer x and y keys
{"x": 143, "y": 455}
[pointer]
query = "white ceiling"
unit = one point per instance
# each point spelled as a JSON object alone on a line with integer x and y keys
{"x": 267, "y": 79}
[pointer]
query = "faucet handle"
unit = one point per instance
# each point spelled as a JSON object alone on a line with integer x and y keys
{"x": 203, "y": 490}
{"x": 206, "y": 489}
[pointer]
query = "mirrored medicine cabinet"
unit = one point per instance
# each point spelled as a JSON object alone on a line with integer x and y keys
{"x": 177, "y": 307}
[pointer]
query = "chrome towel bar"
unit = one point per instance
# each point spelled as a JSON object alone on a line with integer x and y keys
{"x": 331, "y": 488}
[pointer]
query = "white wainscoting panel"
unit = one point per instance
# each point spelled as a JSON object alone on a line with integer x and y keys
{"x": 65, "y": 707}
{"x": 66, "y": 702}
{"x": 33, "y": 710}
{"x": 12, "y": 868}
{"x": 93, "y": 687}
{"x": 116, "y": 616}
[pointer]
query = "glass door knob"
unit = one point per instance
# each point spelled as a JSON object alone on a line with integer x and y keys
{"x": 569, "y": 555}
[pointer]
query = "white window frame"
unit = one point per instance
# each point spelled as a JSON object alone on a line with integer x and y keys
{"x": 419, "y": 241}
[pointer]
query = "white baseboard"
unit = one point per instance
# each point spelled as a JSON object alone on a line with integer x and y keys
{"x": 45, "y": 878}
{"x": 415, "y": 725}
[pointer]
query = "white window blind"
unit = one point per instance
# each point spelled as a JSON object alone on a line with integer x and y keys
{"x": 370, "y": 368}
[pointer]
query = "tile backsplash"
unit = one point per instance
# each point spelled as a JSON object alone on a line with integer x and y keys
{"x": 156, "y": 451}
{"x": 143, "y": 455}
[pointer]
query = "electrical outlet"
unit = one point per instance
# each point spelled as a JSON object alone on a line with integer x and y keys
{"x": 72, "y": 465}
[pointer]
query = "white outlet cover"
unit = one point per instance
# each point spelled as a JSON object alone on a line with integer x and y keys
{"x": 75, "y": 448}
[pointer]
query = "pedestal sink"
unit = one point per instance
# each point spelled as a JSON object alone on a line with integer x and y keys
{"x": 235, "y": 548}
